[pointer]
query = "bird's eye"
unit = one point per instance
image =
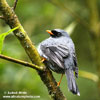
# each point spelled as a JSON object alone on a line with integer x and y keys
{"x": 56, "y": 33}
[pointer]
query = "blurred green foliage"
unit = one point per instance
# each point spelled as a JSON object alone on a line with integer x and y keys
{"x": 36, "y": 16}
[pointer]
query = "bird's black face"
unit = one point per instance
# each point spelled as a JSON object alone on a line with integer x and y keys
{"x": 57, "y": 33}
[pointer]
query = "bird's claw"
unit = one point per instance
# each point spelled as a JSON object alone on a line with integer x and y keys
{"x": 58, "y": 83}
{"x": 43, "y": 59}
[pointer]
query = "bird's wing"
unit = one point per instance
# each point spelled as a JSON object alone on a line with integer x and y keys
{"x": 57, "y": 54}
{"x": 75, "y": 59}
{"x": 75, "y": 64}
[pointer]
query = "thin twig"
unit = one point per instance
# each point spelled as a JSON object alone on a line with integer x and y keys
{"x": 15, "y": 4}
{"x": 27, "y": 64}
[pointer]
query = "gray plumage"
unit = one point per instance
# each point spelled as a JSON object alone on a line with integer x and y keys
{"x": 59, "y": 51}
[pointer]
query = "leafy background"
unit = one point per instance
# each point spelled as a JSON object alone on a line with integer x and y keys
{"x": 37, "y": 16}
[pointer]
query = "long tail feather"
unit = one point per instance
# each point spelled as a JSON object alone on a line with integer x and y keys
{"x": 72, "y": 86}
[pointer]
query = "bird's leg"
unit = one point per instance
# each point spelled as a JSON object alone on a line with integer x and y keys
{"x": 58, "y": 83}
{"x": 43, "y": 59}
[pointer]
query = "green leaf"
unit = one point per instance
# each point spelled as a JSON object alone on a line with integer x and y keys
{"x": 88, "y": 75}
{"x": 3, "y": 35}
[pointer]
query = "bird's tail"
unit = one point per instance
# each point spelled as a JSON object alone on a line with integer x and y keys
{"x": 72, "y": 86}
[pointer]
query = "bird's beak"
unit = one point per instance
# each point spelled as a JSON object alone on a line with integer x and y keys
{"x": 49, "y": 32}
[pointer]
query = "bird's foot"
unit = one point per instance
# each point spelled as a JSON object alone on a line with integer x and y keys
{"x": 58, "y": 83}
{"x": 43, "y": 59}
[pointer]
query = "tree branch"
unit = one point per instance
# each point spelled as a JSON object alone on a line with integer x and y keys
{"x": 15, "y": 4}
{"x": 27, "y": 64}
{"x": 46, "y": 76}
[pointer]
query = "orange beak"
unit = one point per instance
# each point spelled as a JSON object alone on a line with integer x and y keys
{"x": 49, "y": 32}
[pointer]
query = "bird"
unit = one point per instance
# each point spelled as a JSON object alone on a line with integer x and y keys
{"x": 58, "y": 53}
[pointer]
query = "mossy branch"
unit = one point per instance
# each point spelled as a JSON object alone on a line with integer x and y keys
{"x": 12, "y": 20}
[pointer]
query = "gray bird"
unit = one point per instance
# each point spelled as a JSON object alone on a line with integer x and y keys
{"x": 59, "y": 52}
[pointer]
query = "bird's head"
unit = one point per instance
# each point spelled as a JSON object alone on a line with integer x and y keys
{"x": 57, "y": 33}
